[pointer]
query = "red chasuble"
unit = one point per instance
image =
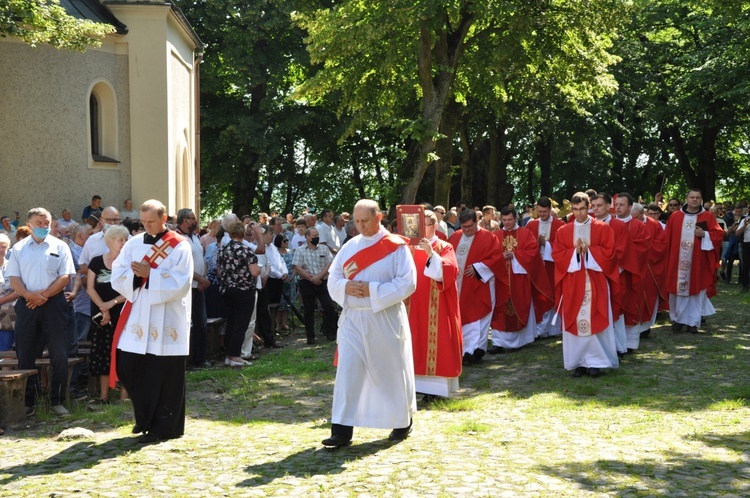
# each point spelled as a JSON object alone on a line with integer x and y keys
{"x": 702, "y": 268}
{"x": 533, "y": 227}
{"x": 653, "y": 283}
{"x": 631, "y": 283}
{"x": 570, "y": 288}
{"x": 475, "y": 299}
{"x": 625, "y": 260}
{"x": 514, "y": 293}
{"x": 434, "y": 316}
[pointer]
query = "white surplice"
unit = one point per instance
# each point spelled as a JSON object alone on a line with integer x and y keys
{"x": 375, "y": 378}
{"x": 159, "y": 322}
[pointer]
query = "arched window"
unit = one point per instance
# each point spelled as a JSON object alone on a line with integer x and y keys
{"x": 102, "y": 107}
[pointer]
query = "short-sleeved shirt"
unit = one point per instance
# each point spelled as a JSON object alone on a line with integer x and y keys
{"x": 234, "y": 260}
{"x": 40, "y": 264}
{"x": 745, "y": 234}
{"x": 312, "y": 260}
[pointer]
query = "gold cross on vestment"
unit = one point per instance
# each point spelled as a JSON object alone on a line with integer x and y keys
{"x": 156, "y": 252}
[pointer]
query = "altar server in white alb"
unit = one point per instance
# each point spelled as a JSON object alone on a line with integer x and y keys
{"x": 370, "y": 277}
{"x": 154, "y": 272}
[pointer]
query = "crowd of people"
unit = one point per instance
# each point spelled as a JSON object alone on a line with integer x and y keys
{"x": 594, "y": 270}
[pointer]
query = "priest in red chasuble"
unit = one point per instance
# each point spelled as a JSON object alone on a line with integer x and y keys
{"x": 586, "y": 272}
{"x": 633, "y": 282}
{"x": 478, "y": 255}
{"x": 601, "y": 205}
{"x": 653, "y": 290}
{"x": 522, "y": 289}
{"x": 544, "y": 229}
{"x": 434, "y": 315}
{"x": 692, "y": 233}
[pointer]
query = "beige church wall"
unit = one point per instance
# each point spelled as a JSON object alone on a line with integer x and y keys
{"x": 181, "y": 131}
{"x": 44, "y": 127}
{"x": 161, "y": 102}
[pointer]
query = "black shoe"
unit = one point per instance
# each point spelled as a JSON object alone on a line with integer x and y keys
{"x": 311, "y": 341}
{"x": 703, "y": 320}
{"x": 676, "y": 327}
{"x": 646, "y": 334}
{"x": 331, "y": 337}
{"x": 149, "y": 438}
{"x": 478, "y": 355}
{"x": 579, "y": 372}
{"x": 620, "y": 355}
{"x": 400, "y": 434}
{"x": 468, "y": 359}
{"x": 275, "y": 345}
{"x": 137, "y": 429}
{"x": 693, "y": 329}
{"x": 429, "y": 398}
{"x": 595, "y": 372}
{"x": 337, "y": 441}
{"x": 495, "y": 350}
{"x": 723, "y": 275}
{"x": 631, "y": 350}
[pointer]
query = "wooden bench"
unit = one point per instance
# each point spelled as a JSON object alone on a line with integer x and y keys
{"x": 213, "y": 336}
{"x": 12, "y": 394}
{"x": 10, "y": 364}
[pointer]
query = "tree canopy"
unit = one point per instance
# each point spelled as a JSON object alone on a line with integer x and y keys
{"x": 315, "y": 104}
{"x": 46, "y": 22}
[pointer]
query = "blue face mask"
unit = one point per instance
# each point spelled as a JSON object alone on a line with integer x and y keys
{"x": 41, "y": 233}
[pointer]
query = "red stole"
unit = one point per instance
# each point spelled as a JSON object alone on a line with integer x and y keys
{"x": 365, "y": 257}
{"x": 154, "y": 257}
{"x": 515, "y": 292}
{"x": 632, "y": 284}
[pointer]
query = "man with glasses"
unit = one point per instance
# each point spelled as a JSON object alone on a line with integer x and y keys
{"x": 95, "y": 245}
{"x": 441, "y": 226}
{"x": 479, "y": 256}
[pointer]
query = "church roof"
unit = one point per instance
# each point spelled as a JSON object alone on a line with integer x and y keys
{"x": 93, "y": 10}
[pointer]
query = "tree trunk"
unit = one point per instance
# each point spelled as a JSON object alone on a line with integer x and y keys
{"x": 442, "y": 60}
{"x": 466, "y": 171}
{"x": 444, "y": 151}
{"x": 544, "y": 150}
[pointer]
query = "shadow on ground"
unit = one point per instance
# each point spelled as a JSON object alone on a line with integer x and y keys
{"x": 312, "y": 461}
{"x": 82, "y": 455}
{"x": 672, "y": 472}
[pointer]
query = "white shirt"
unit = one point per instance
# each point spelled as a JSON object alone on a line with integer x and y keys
{"x": 746, "y": 234}
{"x": 328, "y": 236}
{"x": 94, "y": 246}
{"x": 199, "y": 264}
{"x": 38, "y": 265}
{"x": 297, "y": 241}
{"x": 277, "y": 265}
{"x": 132, "y": 214}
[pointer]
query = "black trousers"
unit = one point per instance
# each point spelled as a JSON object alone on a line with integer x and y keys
{"x": 310, "y": 292}
{"x": 35, "y": 329}
{"x": 198, "y": 328}
{"x": 239, "y": 308}
{"x": 263, "y": 318}
{"x": 156, "y": 386}
{"x": 744, "y": 266}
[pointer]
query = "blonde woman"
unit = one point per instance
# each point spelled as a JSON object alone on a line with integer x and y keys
{"x": 106, "y": 305}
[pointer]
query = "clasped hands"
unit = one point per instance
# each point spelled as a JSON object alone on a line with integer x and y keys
{"x": 357, "y": 288}
{"x": 581, "y": 246}
{"x": 141, "y": 269}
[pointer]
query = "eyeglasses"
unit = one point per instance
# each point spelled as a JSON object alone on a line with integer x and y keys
{"x": 112, "y": 220}
{"x": 285, "y": 240}
{"x": 672, "y": 204}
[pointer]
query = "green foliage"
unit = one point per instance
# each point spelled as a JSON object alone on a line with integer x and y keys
{"x": 44, "y": 21}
